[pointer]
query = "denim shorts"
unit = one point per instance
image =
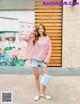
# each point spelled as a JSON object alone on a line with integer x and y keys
{"x": 37, "y": 63}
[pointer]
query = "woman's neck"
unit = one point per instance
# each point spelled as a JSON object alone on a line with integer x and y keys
{"x": 41, "y": 35}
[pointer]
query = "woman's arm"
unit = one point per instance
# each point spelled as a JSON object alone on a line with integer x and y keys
{"x": 27, "y": 37}
{"x": 46, "y": 60}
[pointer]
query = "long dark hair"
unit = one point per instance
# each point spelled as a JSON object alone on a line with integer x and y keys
{"x": 37, "y": 35}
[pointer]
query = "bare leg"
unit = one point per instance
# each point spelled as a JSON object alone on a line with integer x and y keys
{"x": 44, "y": 87}
{"x": 36, "y": 73}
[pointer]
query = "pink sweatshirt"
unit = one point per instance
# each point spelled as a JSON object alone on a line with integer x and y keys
{"x": 41, "y": 50}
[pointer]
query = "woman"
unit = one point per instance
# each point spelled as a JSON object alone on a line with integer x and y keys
{"x": 39, "y": 52}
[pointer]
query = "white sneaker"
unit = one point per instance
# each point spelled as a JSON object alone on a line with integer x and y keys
{"x": 37, "y": 98}
{"x": 47, "y": 97}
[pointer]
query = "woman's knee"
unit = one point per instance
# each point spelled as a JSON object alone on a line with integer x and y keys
{"x": 45, "y": 71}
{"x": 36, "y": 73}
{"x": 36, "y": 76}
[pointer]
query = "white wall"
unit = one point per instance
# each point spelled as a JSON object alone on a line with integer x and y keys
{"x": 24, "y": 23}
{"x": 71, "y": 36}
{"x": 25, "y": 19}
{"x": 26, "y": 16}
{"x": 9, "y": 25}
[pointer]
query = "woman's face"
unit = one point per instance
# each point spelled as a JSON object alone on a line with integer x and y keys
{"x": 41, "y": 30}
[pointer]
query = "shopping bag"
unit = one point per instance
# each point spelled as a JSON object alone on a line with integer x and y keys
{"x": 45, "y": 79}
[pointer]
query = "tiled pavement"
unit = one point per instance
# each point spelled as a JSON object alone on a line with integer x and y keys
{"x": 62, "y": 89}
{"x": 64, "y": 86}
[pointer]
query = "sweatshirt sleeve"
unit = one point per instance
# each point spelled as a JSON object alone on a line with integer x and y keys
{"x": 29, "y": 36}
{"x": 48, "y": 53}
